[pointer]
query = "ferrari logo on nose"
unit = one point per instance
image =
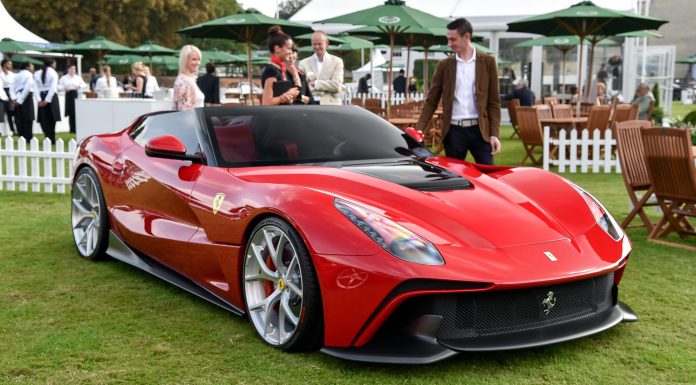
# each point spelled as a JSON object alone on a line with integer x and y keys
{"x": 217, "y": 202}
{"x": 549, "y": 302}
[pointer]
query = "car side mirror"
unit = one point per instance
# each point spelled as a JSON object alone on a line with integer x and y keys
{"x": 415, "y": 134}
{"x": 169, "y": 147}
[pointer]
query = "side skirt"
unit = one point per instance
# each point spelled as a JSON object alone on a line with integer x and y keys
{"x": 120, "y": 251}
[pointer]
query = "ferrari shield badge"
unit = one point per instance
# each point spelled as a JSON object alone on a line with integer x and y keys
{"x": 217, "y": 202}
{"x": 550, "y": 256}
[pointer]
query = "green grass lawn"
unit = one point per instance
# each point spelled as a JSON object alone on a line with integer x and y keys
{"x": 64, "y": 320}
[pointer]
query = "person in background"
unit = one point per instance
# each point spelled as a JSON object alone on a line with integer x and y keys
{"x": 139, "y": 80}
{"x": 151, "y": 84}
{"x": 106, "y": 82}
{"x": 71, "y": 83}
{"x": 412, "y": 86}
{"x": 299, "y": 79}
{"x": 467, "y": 83}
{"x": 280, "y": 47}
{"x": 127, "y": 81}
{"x": 210, "y": 85}
{"x": 644, "y": 98}
{"x": 523, "y": 93}
{"x": 46, "y": 95}
{"x": 93, "y": 78}
{"x": 3, "y": 100}
{"x": 187, "y": 95}
{"x": 22, "y": 95}
{"x": 6, "y": 79}
{"x": 363, "y": 85}
{"x": 399, "y": 83}
{"x": 324, "y": 72}
{"x": 602, "y": 97}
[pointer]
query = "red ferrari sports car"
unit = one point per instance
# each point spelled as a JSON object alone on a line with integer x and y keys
{"x": 330, "y": 228}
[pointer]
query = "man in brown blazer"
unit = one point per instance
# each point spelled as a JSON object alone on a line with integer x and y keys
{"x": 467, "y": 83}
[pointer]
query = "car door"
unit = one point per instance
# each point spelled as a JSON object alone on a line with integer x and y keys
{"x": 151, "y": 208}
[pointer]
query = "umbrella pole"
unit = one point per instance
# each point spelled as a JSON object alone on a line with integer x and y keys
{"x": 565, "y": 52}
{"x": 391, "y": 72}
{"x": 251, "y": 98}
{"x": 425, "y": 71}
{"x": 577, "y": 103}
{"x": 408, "y": 65}
{"x": 589, "y": 72}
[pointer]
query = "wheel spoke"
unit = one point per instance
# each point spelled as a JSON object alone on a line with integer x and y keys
{"x": 78, "y": 203}
{"x": 273, "y": 251}
{"x": 264, "y": 269}
{"x": 95, "y": 237}
{"x": 287, "y": 311}
{"x": 80, "y": 223}
{"x": 293, "y": 288}
{"x": 81, "y": 187}
{"x": 267, "y": 303}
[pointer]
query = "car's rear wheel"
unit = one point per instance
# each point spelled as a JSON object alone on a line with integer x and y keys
{"x": 281, "y": 291}
{"x": 89, "y": 219}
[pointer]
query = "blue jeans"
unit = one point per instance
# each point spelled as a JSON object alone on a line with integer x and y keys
{"x": 460, "y": 140}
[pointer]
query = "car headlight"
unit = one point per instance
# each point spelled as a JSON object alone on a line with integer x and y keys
{"x": 600, "y": 214}
{"x": 392, "y": 237}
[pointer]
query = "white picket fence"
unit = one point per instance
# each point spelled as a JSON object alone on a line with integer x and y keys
{"x": 588, "y": 154}
{"x": 382, "y": 96}
{"x": 21, "y": 168}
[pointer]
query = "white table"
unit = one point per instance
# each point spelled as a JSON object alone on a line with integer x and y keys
{"x": 99, "y": 116}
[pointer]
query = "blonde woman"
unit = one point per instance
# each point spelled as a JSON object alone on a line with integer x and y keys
{"x": 187, "y": 95}
{"x": 106, "y": 82}
{"x": 139, "y": 79}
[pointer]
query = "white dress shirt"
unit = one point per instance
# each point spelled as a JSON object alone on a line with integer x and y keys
{"x": 151, "y": 86}
{"x": 319, "y": 63}
{"x": 50, "y": 85}
{"x": 69, "y": 82}
{"x": 464, "y": 106}
{"x": 101, "y": 84}
{"x": 6, "y": 79}
{"x": 22, "y": 85}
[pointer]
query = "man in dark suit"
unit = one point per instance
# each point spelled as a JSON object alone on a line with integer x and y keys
{"x": 210, "y": 85}
{"x": 400, "y": 83}
{"x": 523, "y": 93}
{"x": 363, "y": 87}
{"x": 467, "y": 83}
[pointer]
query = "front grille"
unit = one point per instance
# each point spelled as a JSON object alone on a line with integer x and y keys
{"x": 468, "y": 316}
{"x": 487, "y": 314}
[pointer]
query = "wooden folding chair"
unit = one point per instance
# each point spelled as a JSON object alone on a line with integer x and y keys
{"x": 551, "y": 100}
{"x": 634, "y": 112}
{"x": 544, "y": 111}
{"x": 634, "y": 170}
{"x": 531, "y": 134}
{"x": 511, "y": 107}
{"x": 670, "y": 165}
{"x": 562, "y": 110}
{"x": 599, "y": 118}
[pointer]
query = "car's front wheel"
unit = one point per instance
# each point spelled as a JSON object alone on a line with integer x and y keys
{"x": 281, "y": 290}
{"x": 88, "y": 213}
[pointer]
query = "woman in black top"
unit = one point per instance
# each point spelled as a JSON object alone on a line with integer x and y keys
{"x": 299, "y": 79}
{"x": 280, "y": 46}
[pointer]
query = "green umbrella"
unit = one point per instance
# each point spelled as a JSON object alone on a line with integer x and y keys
{"x": 9, "y": 46}
{"x": 100, "y": 45}
{"x": 26, "y": 59}
{"x": 150, "y": 49}
{"x": 170, "y": 63}
{"x": 248, "y": 26}
{"x": 216, "y": 56}
{"x": 687, "y": 60}
{"x": 585, "y": 20}
{"x": 307, "y": 37}
{"x": 562, "y": 43}
{"x": 349, "y": 43}
{"x": 644, "y": 33}
{"x": 392, "y": 19}
{"x": 124, "y": 59}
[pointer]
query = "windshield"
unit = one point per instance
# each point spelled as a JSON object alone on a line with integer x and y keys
{"x": 255, "y": 136}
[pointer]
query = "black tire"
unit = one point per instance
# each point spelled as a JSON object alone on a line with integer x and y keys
{"x": 87, "y": 201}
{"x": 308, "y": 333}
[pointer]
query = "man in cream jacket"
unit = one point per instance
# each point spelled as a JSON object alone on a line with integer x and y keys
{"x": 324, "y": 72}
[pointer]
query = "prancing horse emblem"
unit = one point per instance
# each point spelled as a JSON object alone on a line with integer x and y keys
{"x": 549, "y": 303}
{"x": 217, "y": 202}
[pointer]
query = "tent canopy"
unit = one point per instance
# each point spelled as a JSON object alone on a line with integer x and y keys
{"x": 15, "y": 31}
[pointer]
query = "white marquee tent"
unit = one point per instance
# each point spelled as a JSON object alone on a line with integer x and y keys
{"x": 12, "y": 29}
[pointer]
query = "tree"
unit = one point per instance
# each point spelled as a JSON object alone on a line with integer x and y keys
{"x": 127, "y": 22}
{"x": 290, "y": 7}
